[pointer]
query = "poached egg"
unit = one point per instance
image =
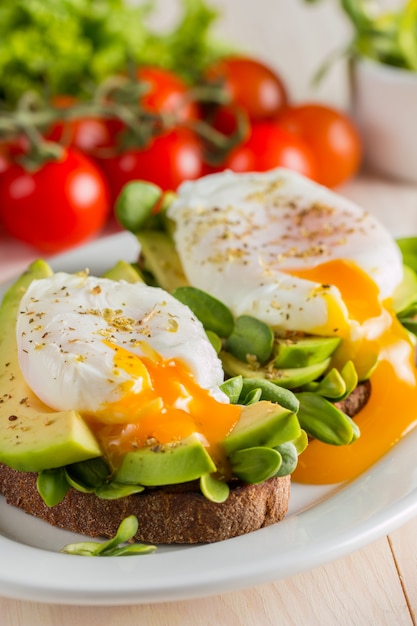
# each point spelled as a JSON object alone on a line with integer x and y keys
{"x": 271, "y": 227}
{"x": 133, "y": 360}
{"x": 305, "y": 260}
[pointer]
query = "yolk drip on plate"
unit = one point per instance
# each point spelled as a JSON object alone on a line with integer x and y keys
{"x": 391, "y": 410}
{"x": 169, "y": 407}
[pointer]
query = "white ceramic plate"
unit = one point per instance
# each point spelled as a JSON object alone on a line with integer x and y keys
{"x": 323, "y": 523}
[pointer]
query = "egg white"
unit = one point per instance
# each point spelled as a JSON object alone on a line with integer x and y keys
{"x": 67, "y": 328}
{"x": 236, "y": 233}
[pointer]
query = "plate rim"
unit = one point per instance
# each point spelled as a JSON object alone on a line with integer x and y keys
{"x": 108, "y": 581}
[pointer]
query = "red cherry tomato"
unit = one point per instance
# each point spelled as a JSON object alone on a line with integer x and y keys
{"x": 251, "y": 85}
{"x": 268, "y": 147}
{"x": 166, "y": 93}
{"x": 5, "y": 161}
{"x": 91, "y": 135}
{"x": 57, "y": 206}
{"x": 331, "y": 136}
{"x": 167, "y": 161}
{"x": 227, "y": 119}
{"x": 11, "y": 150}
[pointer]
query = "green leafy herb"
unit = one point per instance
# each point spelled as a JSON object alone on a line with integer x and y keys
{"x": 232, "y": 387}
{"x": 135, "y": 205}
{"x": 52, "y": 486}
{"x": 269, "y": 391}
{"x": 125, "y": 533}
{"x": 213, "y": 314}
{"x": 214, "y": 489}
{"x": 289, "y": 456}
{"x": 324, "y": 421}
{"x": 71, "y": 46}
{"x": 251, "y": 338}
{"x": 254, "y": 465}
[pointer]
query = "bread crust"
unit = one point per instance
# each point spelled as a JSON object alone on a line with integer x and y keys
{"x": 178, "y": 514}
{"x": 356, "y": 400}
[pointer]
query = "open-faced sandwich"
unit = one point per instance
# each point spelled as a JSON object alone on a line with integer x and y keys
{"x": 112, "y": 404}
{"x": 256, "y": 340}
{"x": 315, "y": 286}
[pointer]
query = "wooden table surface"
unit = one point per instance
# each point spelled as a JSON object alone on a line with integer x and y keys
{"x": 376, "y": 585}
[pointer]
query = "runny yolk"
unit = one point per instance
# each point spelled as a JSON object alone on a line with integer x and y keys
{"x": 359, "y": 292}
{"x": 169, "y": 406}
{"x": 391, "y": 410}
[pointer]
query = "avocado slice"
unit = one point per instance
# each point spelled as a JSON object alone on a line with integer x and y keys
{"x": 290, "y": 378}
{"x": 303, "y": 351}
{"x": 263, "y": 423}
{"x": 124, "y": 271}
{"x": 161, "y": 259}
{"x": 33, "y": 437}
{"x": 405, "y": 295}
{"x": 167, "y": 464}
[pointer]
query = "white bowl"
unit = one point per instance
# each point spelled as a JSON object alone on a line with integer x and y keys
{"x": 384, "y": 105}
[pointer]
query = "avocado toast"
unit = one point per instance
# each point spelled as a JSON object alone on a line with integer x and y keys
{"x": 194, "y": 487}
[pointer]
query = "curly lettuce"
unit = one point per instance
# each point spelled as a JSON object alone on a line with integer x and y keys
{"x": 70, "y": 46}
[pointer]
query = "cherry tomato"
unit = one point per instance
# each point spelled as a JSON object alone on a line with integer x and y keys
{"x": 92, "y": 135}
{"x": 5, "y": 161}
{"x": 166, "y": 93}
{"x": 57, "y": 206}
{"x": 233, "y": 123}
{"x": 225, "y": 119}
{"x": 167, "y": 161}
{"x": 250, "y": 84}
{"x": 332, "y": 137}
{"x": 10, "y": 150}
{"x": 269, "y": 146}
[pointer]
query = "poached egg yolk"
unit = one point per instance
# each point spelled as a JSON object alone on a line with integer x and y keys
{"x": 384, "y": 347}
{"x": 132, "y": 359}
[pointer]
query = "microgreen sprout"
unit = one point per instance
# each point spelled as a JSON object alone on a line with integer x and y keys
{"x": 125, "y": 533}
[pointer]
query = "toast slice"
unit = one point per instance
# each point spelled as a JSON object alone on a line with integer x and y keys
{"x": 178, "y": 514}
{"x": 175, "y": 514}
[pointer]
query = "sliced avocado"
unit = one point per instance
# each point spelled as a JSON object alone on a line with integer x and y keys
{"x": 167, "y": 464}
{"x": 215, "y": 340}
{"x": 161, "y": 259}
{"x": 290, "y": 378}
{"x": 303, "y": 351}
{"x": 124, "y": 271}
{"x": 408, "y": 247}
{"x": 405, "y": 295}
{"x": 262, "y": 424}
{"x": 32, "y": 436}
